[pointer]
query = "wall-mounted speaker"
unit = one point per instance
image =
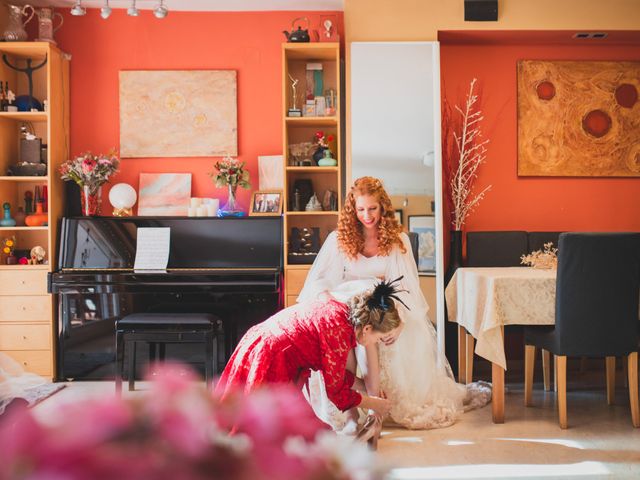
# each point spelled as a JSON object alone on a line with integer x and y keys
{"x": 480, "y": 10}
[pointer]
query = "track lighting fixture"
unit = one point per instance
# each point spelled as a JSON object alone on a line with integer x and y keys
{"x": 105, "y": 11}
{"x": 132, "y": 11}
{"x": 78, "y": 10}
{"x": 161, "y": 11}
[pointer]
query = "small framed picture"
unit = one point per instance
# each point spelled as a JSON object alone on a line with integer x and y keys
{"x": 266, "y": 203}
{"x": 425, "y": 227}
{"x": 398, "y": 213}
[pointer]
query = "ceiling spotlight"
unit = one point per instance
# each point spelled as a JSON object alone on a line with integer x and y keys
{"x": 105, "y": 12}
{"x": 132, "y": 11}
{"x": 78, "y": 10}
{"x": 161, "y": 11}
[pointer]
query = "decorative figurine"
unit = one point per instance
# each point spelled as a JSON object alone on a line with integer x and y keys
{"x": 28, "y": 71}
{"x": 294, "y": 111}
{"x": 37, "y": 255}
{"x": 7, "y": 221}
{"x": 314, "y": 204}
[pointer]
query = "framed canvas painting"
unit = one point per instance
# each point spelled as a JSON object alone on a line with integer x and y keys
{"x": 178, "y": 113}
{"x": 425, "y": 227}
{"x": 164, "y": 194}
{"x": 578, "y": 118}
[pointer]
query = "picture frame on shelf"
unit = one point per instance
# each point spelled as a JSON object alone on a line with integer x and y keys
{"x": 425, "y": 227}
{"x": 398, "y": 214}
{"x": 266, "y": 203}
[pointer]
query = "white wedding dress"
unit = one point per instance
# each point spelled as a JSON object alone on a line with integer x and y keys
{"x": 415, "y": 376}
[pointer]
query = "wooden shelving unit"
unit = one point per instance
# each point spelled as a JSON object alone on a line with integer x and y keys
{"x": 295, "y": 57}
{"x": 27, "y": 319}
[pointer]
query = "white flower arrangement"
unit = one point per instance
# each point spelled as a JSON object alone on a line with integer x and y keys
{"x": 543, "y": 259}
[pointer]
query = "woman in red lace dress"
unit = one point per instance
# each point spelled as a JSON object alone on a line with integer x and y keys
{"x": 318, "y": 336}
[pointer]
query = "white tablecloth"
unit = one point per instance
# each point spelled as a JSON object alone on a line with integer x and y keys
{"x": 482, "y": 300}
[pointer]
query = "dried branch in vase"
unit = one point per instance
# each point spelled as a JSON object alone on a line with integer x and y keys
{"x": 544, "y": 259}
{"x": 468, "y": 154}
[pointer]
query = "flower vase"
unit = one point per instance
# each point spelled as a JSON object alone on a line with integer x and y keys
{"x": 231, "y": 208}
{"x": 455, "y": 255}
{"x": 318, "y": 154}
{"x": 91, "y": 200}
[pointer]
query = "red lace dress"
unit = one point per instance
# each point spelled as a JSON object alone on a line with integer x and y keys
{"x": 289, "y": 345}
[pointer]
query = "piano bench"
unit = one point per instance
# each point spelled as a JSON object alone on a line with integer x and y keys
{"x": 163, "y": 328}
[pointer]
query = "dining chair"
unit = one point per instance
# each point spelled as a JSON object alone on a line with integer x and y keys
{"x": 496, "y": 248}
{"x": 490, "y": 249}
{"x": 597, "y": 291}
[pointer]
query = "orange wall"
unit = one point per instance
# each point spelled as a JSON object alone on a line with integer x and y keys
{"x": 529, "y": 203}
{"x": 249, "y": 42}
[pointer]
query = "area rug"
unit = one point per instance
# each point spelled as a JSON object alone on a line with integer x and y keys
{"x": 36, "y": 395}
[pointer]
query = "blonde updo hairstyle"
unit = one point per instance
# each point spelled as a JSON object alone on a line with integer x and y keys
{"x": 350, "y": 233}
{"x": 361, "y": 314}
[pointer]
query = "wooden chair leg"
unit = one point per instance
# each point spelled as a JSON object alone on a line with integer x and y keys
{"x": 561, "y": 368}
{"x": 546, "y": 369}
{"x": 555, "y": 374}
{"x": 469, "y": 358}
{"x": 610, "y": 367}
{"x": 633, "y": 388}
{"x": 462, "y": 351}
{"x": 529, "y": 364}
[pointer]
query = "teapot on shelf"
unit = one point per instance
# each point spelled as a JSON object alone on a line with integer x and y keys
{"x": 299, "y": 35}
{"x": 15, "y": 32}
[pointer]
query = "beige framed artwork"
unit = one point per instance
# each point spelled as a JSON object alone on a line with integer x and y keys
{"x": 266, "y": 203}
{"x": 578, "y": 118}
{"x": 175, "y": 113}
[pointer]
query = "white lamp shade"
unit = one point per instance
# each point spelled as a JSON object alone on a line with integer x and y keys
{"x": 122, "y": 195}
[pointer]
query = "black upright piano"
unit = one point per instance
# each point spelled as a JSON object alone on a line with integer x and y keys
{"x": 231, "y": 267}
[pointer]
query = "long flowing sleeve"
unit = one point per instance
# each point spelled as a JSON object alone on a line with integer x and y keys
{"x": 335, "y": 346}
{"x": 404, "y": 264}
{"x": 326, "y": 272}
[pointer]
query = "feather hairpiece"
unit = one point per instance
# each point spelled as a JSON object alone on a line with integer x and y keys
{"x": 383, "y": 293}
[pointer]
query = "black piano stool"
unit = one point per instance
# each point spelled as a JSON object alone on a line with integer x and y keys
{"x": 163, "y": 328}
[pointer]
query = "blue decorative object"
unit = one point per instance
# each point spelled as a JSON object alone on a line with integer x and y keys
{"x": 24, "y": 105}
{"x": 7, "y": 221}
{"x": 231, "y": 208}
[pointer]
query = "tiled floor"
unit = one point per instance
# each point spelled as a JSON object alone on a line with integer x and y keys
{"x": 600, "y": 441}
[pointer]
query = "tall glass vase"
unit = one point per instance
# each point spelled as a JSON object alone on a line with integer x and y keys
{"x": 231, "y": 208}
{"x": 91, "y": 200}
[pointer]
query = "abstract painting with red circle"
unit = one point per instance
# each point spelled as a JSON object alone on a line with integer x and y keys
{"x": 578, "y": 119}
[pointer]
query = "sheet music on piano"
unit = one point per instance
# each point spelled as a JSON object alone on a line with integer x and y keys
{"x": 152, "y": 250}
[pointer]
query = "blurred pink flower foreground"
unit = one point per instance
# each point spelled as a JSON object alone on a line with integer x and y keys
{"x": 179, "y": 431}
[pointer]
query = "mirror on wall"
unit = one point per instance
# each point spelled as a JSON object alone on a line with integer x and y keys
{"x": 395, "y": 136}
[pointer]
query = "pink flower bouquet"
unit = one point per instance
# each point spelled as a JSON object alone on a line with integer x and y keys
{"x": 90, "y": 170}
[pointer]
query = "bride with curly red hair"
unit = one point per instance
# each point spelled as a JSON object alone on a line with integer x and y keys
{"x": 405, "y": 367}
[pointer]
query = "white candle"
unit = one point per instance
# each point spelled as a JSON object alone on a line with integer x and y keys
{"x": 196, "y": 202}
{"x": 215, "y": 204}
{"x": 211, "y": 211}
{"x": 193, "y": 212}
{"x": 202, "y": 211}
